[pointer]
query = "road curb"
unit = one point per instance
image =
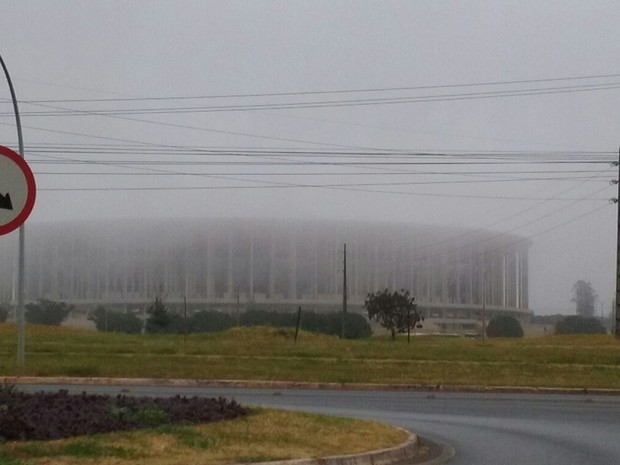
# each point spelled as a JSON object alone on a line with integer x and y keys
{"x": 410, "y": 452}
{"x": 404, "y": 453}
{"x": 93, "y": 381}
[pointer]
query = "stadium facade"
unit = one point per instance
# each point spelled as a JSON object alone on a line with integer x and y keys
{"x": 452, "y": 273}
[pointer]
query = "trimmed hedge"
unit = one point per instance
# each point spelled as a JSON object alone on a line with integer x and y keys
{"x": 504, "y": 326}
{"x": 356, "y": 326}
{"x": 207, "y": 321}
{"x": 577, "y": 324}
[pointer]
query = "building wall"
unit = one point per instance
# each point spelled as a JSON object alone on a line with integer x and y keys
{"x": 271, "y": 261}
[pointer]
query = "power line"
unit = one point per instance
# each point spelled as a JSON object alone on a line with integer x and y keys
{"x": 196, "y": 151}
{"x": 511, "y": 242}
{"x": 338, "y": 91}
{"x": 307, "y": 186}
{"x": 510, "y": 232}
{"x": 318, "y": 163}
{"x": 509, "y": 217}
{"x": 325, "y": 103}
{"x": 340, "y": 174}
{"x": 183, "y": 126}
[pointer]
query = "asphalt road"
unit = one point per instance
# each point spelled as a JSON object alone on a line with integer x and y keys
{"x": 484, "y": 429}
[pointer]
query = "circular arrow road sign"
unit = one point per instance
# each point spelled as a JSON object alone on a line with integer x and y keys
{"x": 17, "y": 190}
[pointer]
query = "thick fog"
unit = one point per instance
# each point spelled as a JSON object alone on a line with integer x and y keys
{"x": 464, "y": 114}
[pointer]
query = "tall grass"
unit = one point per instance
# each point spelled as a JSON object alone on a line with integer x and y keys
{"x": 264, "y": 435}
{"x": 272, "y": 354}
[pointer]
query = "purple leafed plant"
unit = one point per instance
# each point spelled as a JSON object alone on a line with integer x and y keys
{"x": 46, "y": 415}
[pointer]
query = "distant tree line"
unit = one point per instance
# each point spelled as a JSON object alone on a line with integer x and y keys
{"x": 355, "y": 325}
{"x": 578, "y": 324}
{"x": 394, "y": 310}
{"x": 160, "y": 319}
{"x": 42, "y": 312}
{"x": 549, "y": 320}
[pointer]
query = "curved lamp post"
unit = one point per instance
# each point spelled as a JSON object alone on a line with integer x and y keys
{"x": 19, "y": 312}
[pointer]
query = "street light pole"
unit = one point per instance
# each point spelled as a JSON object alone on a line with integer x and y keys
{"x": 19, "y": 311}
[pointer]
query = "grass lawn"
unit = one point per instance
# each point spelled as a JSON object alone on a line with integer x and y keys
{"x": 272, "y": 354}
{"x": 264, "y": 435}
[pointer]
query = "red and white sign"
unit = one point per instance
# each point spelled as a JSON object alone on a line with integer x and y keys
{"x": 17, "y": 190}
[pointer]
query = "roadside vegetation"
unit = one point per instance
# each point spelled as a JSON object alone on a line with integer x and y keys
{"x": 504, "y": 326}
{"x": 577, "y": 324}
{"x": 268, "y": 354}
{"x": 262, "y": 435}
{"x": 163, "y": 320}
{"x": 57, "y": 415}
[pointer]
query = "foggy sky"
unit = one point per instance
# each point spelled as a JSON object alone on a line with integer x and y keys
{"x": 78, "y": 50}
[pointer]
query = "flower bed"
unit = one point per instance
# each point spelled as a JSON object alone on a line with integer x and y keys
{"x": 44, "y": 416}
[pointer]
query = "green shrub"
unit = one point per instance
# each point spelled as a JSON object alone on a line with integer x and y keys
{"x": 504, "y": 326}
{"x": 206, "y": 321}
{"x": 578, "y": 324}
{"x": 47, "y": 312}
{"x": 268, "y": 318}
{"x": 356, "y": 326}
{"x": 113, "y": 321}
{"x": 4, "y": 313}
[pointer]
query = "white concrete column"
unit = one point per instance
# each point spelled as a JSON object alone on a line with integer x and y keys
{"x": 444, "y": 278}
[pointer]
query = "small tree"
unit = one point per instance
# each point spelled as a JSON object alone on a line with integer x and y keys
{"x": 395, "y": 311}
{"x": 47, "y": 312}
{"x": 159, "y": 319}
{"x": 504, "y": 326}
{"x": 584, "y": 297}
{"x": 576, "y": 324}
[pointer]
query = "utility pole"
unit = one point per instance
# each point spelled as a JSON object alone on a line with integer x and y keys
{"x": 617, "y": 312}
{"x": 484, "y": 300}
{"x": 185, "y": 317}
{"x": 298, "y": 322}
{"x": 19, "y": 311}
{"x": 237, "y": 308}
{"x": 344, "y": 291}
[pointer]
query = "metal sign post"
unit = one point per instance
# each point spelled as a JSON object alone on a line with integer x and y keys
{"x": 19, "y": 312}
